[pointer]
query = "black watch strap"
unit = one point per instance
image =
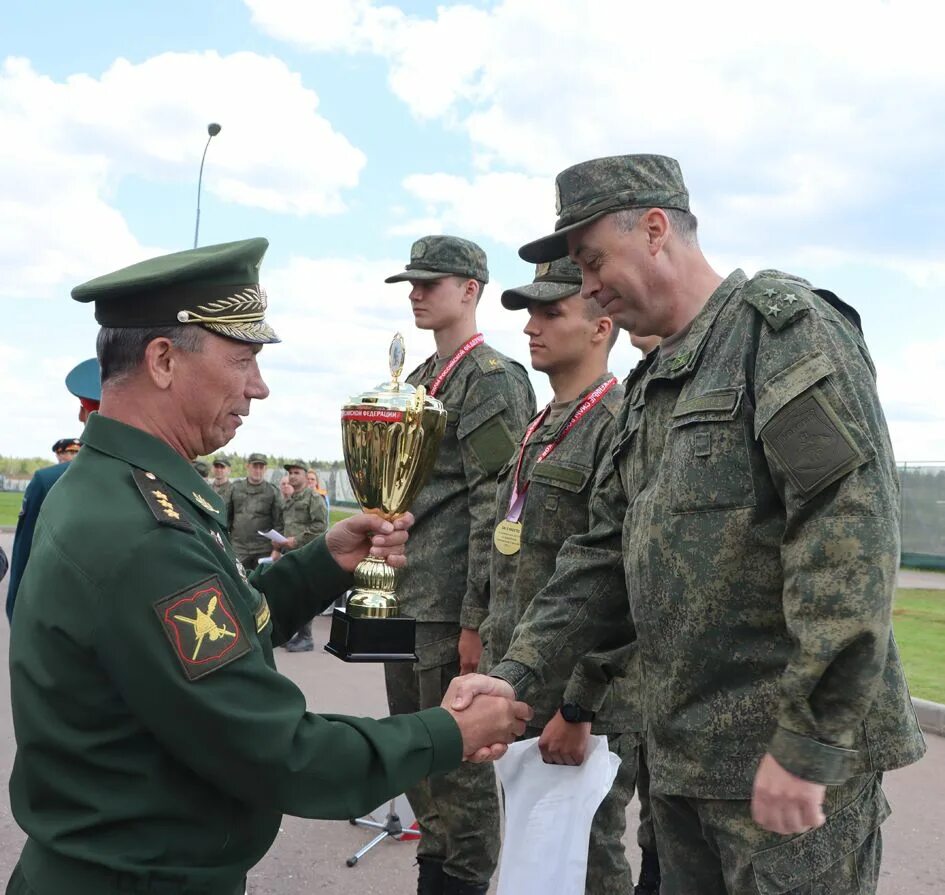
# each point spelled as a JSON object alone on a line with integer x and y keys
{"x": 574, "y": 714}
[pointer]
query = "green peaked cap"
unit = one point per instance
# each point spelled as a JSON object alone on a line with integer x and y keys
{"x": 216, "y": 287}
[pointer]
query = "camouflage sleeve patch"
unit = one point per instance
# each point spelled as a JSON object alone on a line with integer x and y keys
{"x": 202, "y": 628}
{"x": 487, "y": 434}
{"x": 157, "y": 496}
{"x": 811, "y": 443}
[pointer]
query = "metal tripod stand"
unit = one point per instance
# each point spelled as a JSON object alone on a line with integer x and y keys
{"x": 391, "y": 827}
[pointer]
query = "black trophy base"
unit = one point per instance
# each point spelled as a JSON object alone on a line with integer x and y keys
{"x": 372, "y": 639}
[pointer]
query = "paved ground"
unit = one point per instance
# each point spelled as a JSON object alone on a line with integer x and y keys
{"x": 309, "y": 856}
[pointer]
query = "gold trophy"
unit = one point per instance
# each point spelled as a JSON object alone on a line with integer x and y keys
{"x": 390, "y": 438}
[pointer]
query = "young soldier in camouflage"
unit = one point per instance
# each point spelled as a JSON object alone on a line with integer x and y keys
{"x": 752, "y": 510}
{"x": 221, "y": 483}
{"x": 489, "y": 400}
{"x": 253, "y": 505}
{"x": 304, "y": 518}
{"x": 542, "y": 498}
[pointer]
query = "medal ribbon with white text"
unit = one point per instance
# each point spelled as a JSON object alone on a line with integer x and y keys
{"x": 444, "y": 374}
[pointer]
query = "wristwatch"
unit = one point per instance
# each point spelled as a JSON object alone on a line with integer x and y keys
{"x": 574, "y": 714}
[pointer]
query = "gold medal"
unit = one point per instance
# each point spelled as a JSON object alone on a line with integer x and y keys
{"x": 508, "y": 537}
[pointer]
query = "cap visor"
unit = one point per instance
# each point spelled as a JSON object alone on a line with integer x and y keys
{"x": 417, "y": 275}
{"x": 84, "y": 380}
{"x": 555, "y": 245}
{"x": 518, "y": 299}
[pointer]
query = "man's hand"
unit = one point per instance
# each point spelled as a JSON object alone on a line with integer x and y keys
{"x": 564, "y": 743}
{"x": 470, "y": 650}
{"x": 275, "y": 554}
{"x": 462, "y": 690}
{"x": 488, "y": 725}
{"x": 783, "y": 803}
{"x": 350, "y": 540}
{"x": 291, "y": 543}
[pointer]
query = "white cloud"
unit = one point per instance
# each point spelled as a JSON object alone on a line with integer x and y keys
{"x": 828, "y": 120}
{"x": 59, "y": 170}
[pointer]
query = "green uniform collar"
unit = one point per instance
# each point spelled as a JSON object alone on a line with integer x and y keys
{"x": 137, "y": 448}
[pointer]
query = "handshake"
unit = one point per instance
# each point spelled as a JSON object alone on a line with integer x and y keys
{"x": 487, "y": 714}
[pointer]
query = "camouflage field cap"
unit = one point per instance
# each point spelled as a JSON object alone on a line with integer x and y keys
{"x": 435, "y": 257}
{"x": 553, "y": 281}
{"x": 588, "y": 191}
{"x": 222, "y": 460}
{"x": 216, "y": 287}
{"x": 296, "y": 464}
{"x": 202, "y": 468}
{"x": 258, "y": 458}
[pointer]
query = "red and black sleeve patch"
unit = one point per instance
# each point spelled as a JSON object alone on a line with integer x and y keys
{"x": 202, "y": 627}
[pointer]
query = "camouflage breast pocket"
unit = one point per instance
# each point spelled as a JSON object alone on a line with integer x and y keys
{"x": 708, "y": 463}
{"x": 556, "y": 506}
{"x": 627, "y": 463}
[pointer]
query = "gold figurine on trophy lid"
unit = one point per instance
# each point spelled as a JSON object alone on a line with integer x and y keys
{"x": 390, "y": 437}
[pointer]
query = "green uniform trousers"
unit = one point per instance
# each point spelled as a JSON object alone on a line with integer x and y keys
{"x": 713, "y": 847}
{"x": 457, "y": 812}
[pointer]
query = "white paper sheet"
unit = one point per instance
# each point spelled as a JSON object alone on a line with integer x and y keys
{"x": 274, "y": 536}
{"x": 548, "y": 814}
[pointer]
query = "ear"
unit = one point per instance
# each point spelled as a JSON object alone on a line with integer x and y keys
{"x": 159, "y": 360}
{"x": 471, "y": 292}
{"x": 603, "y": 327}
{"x": 655, "y": 225}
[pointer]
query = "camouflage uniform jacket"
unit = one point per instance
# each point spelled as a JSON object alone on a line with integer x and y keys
{"x": 250, "y": 509}
{"x": 223, "y": 490}
{"x": 489, "y": 400}
{"x": 754, "y": 497}
{"x": 556, "y": 506}
{"x": 305, "y": 516}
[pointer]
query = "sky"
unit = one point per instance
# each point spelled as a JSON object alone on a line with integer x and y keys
{"x": 811, "y": 137}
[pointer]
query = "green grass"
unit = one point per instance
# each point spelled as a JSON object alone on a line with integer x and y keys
{"x": 919, "y": 623}
{"x": 10, "y": 502}
{"x": 336, "y": 514}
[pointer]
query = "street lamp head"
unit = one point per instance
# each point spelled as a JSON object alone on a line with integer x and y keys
{"x": 213, "y": 129}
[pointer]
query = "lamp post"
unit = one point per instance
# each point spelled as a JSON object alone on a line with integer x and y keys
{"x": 212, "y": 129}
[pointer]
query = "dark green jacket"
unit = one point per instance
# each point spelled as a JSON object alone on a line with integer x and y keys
{"x": 156, "y": 742}
{"x": 488, "y": 400}
{"x": 36, "y": 491}
{"x": 556, "y": 506}
{"x": 752, "y": 512}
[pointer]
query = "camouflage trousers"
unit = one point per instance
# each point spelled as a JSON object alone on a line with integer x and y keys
{"x": 713, "y": 847}
{"x": 608, "y": 871}
{"x": 458, "y": 812}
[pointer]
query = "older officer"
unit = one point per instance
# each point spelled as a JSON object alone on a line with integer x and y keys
{"x": 157, "y": 746}
{"x": 752, "y": 510}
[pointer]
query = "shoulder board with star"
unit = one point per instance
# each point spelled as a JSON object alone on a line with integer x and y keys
{"x": 157, "y": 495}
{"x": 780, "y": 302}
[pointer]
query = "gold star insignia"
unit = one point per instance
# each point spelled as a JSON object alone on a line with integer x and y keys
{"x": 774, "y": 310}
{"x": 770, "y": 293}
{"x": 790, "y": 298}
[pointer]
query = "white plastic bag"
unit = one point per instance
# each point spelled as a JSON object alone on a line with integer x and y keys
{"x": 548, "y": 814}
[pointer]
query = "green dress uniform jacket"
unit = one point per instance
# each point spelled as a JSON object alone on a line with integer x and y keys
{"x": 36, "y": 491}
{"x": 157, "y": 745}
{"x": 304, "y": 516}
{"x": 752, "y": 510}
{"x": 250, "y": 509}
{"x": 488, "y": 400}
{"x": 556, "y": 506}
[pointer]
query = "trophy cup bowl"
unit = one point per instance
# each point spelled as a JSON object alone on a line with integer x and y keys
{"x": 390, "y": 438}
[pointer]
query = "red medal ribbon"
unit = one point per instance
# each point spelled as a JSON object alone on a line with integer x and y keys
{"x": 517, "y": 500}
{"x": 437, "y": 384}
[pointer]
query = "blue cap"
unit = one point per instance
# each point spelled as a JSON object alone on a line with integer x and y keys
{"x": 85, "y": 380}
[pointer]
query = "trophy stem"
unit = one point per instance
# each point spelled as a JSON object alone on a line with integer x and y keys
{"x": 373, "y": 595}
